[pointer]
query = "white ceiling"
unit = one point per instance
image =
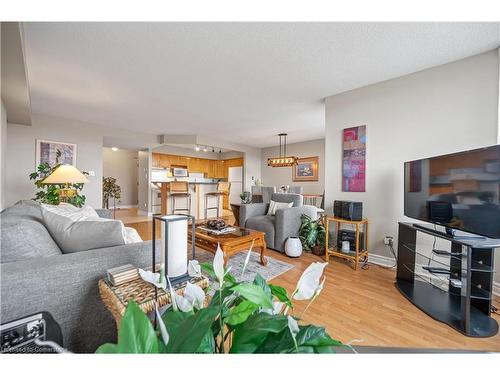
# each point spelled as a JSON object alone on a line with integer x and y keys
{"x": 243, "y": 82}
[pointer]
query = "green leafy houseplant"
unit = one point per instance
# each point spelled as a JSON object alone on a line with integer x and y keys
{"x": 110, "y": 189}
{"x": 312, "y": 234}
{"x": 246, "y": 197}
{"x": 49, "y": 193}
{"x": 241, "y": 317}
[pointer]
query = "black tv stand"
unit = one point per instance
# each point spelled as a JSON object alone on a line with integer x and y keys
{"x": 465, "y": 303}
{"x": 450, "y": 232}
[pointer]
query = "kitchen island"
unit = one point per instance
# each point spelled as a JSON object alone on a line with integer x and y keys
{"x": 197, "y": 190}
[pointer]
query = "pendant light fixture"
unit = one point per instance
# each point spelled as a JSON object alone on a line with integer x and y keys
{"x": 283, "y": 160}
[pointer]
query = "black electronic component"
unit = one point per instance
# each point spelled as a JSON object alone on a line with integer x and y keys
{"x": 21, "y": 335}
{"x": 350, "y": 235}
{"x": 348, "y": 210}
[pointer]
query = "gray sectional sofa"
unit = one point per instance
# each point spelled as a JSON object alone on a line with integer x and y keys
{"x": 36, "y": 276}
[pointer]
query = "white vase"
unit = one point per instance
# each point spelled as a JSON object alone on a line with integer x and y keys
{"x": 293, "y": 247}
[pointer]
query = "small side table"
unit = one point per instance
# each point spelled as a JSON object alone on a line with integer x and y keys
{"x": 116, "y": 298}
{"x": 359, "y": 234}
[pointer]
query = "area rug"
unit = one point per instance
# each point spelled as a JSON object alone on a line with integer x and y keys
{"x": 273, "y": 268}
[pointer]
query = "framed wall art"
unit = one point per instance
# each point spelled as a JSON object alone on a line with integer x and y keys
{"x": 306, "y": 169}
{"x": 354, "y": 159}
{"x": 46, "y": 152}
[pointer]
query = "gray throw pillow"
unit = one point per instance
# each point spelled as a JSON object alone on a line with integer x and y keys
{"x": 74, "y": 236}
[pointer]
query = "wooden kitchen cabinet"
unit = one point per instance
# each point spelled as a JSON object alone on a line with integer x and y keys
{"x": 165, "y": 161}
{"x": 210, "y": 168}
{"x": 155, "y": 160}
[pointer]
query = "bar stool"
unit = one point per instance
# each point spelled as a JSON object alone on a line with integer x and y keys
{"x": 223, "y": 189}
{"x": 180, "y": 189}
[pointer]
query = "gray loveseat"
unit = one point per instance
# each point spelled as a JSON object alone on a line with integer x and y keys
{"x": 284, "y": 224}
{"x": 36, "y": 276}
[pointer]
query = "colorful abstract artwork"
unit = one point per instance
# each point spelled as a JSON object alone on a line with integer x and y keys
{"x": 354, "y": 159}
{"x": 46, "y": 152}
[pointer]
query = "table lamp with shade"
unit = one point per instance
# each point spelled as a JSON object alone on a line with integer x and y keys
{"x": 67, "y": 175}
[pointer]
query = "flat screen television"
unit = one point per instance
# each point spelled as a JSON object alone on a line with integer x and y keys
{"x": 459, "y": 191}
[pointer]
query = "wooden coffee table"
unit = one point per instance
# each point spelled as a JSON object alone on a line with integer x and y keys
{"x": 230, "y": 243}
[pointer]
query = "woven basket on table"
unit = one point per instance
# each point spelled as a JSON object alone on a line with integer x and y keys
{"x": 116, "y": 298}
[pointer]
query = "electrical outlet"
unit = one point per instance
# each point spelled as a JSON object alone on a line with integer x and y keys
{"x": 388, "y": 240}
{"x": 91, "y": 173}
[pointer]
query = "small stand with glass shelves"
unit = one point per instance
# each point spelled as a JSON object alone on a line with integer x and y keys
{"x": 339, "y": 230}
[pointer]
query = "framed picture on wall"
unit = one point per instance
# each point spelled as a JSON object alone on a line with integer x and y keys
{"x": 46, "y": 152}
{"x": 306, "y": 169}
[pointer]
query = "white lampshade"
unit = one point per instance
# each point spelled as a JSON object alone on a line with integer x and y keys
{"x": 66, "y": 174}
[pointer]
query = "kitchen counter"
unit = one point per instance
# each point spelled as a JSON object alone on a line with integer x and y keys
{"x": 197, "y": 189}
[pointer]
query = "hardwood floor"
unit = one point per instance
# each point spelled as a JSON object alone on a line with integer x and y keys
{"x": 365, "y": 305}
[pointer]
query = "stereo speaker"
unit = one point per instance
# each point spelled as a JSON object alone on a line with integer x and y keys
{"x": 348, "y": 210}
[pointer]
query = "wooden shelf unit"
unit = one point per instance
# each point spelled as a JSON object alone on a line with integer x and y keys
{"x": 360, "y": 253}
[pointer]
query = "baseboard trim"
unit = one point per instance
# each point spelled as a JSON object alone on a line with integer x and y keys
{"x": 381, "y": 260}
{"x": 127, "y": 206}
{"x": 496, "y": 288}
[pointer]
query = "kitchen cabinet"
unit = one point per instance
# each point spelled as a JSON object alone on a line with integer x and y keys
{"x": 155, "y": 161}
{"x": 211, "y": 168}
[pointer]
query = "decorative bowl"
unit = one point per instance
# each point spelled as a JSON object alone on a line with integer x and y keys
{"x": 216, "y": 224}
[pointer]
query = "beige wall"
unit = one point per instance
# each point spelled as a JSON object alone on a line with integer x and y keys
{"x": 21, "y": 155}
{"x": 448, "y": 108}
{"x": 144, "y": 187}
{"x": 122, "y": 165}
{"x": 3, "y": 154}
{"x": 88, "y": 137}
{"x": 183, "y": 151}
{"x": 283, "y": 176}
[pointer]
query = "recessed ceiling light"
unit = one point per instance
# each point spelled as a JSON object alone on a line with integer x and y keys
{"x": 114, "y": 148}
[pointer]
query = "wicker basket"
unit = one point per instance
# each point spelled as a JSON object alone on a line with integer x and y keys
{"x": 116, "y": 298}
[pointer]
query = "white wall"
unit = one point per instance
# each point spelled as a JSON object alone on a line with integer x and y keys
{"x": 122, "y": 165}
{"x": 183, "y": 151}
{"x": 231, "y": 155}
{"x": 21, "y": 155}
{"x": 3, "y": 154}
{"x": 144, "y": 188}
{"x": 440, "y": 110}
{"x": 283, "y": 176}
{"x": 20, "y": 159}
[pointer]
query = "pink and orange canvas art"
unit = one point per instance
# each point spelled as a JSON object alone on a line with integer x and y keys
{"x": 354, "y": 159}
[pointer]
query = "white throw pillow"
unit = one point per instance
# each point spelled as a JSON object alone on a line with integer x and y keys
{"x": 84, "y": 233}
{"x": 274, "y": 206}
{"x": 72, "y": 212}
{"x": 130, "y": 235}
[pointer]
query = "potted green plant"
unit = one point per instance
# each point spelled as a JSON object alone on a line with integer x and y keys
{"x": 246, "y": 197}
{"x": 241, "y": 317}
{"x": 312, "y": 234}
{"x": 110, "y": 189}
{"x": 49, "y": 193}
